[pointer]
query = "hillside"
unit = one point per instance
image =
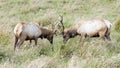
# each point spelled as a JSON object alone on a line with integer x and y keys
{"x": 93, "y": 53}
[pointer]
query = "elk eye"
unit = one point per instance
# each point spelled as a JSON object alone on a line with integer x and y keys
{"x": 73, "y": 34}
{"x": 63, "y": 36}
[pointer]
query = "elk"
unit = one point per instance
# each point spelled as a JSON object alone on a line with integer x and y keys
{"x": 92, "y": 28}
{"x": 29, "y": 31}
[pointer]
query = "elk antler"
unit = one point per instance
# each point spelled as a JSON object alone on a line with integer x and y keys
{"x": 61, "y": 21}
{"x": 54, "y": 29}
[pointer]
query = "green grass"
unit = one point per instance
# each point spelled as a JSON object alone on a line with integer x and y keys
{"x": 93, "y": 53}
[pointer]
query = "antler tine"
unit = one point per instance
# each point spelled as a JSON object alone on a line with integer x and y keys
{"x": 61, "y": 21}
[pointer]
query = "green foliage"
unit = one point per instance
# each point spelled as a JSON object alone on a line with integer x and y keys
{"x": 117, "y": 25}
{"x": 4, "y": 39}
{"x": 2, "y": 56}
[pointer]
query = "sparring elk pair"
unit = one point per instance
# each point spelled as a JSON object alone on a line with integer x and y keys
{"x": 92, "y": 28}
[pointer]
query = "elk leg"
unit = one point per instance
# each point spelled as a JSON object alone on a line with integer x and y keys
{"x": 108, "y": 37}
{"x": 83, "y": 36}
{"x": 20, "y": 42}
{"x": 36, "y": 41}
{"x": 16, "y": 40}
{"x": 102, "y": 35}
{"x": 30, "y": 42}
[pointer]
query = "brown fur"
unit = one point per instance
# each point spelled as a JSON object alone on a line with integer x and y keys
{"x": 69, "y": 33}
{"x": 47, "y": 34}
{"x": 20, "y": 25}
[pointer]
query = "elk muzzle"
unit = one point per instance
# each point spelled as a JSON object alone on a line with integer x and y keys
{"x": 65, "y": 39}
{"x": 50, "y": 39}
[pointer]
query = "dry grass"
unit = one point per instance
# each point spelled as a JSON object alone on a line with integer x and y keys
{"x": 93, "y": 53}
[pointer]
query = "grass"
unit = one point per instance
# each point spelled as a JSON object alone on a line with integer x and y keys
{"x": 93, "y": 53}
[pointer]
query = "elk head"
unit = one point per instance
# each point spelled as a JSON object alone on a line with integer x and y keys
{"x": 67, "y": 33}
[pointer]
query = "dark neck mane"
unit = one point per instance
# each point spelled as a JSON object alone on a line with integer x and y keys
{"x": 45, "y": 32}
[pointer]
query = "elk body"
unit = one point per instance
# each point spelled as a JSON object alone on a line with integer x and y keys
{"x": 29, "y": 31}
{"x": 92, "y": 28}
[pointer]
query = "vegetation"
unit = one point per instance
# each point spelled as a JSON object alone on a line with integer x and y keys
{"x": 93, "y": 53}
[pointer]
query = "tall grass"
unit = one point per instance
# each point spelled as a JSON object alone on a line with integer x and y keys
{"x": 92, "y": 53}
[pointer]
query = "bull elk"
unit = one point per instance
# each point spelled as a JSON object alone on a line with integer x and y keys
{"x": 30, "y": 31}
{"x": 92, "y": 28}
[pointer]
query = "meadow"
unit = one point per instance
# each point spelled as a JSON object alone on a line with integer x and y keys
{"x": 93, "y": 53}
